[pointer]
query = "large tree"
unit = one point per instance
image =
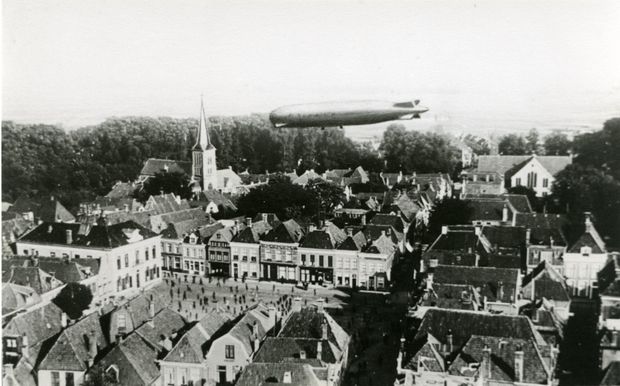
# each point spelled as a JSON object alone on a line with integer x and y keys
{"x": 449, "y": 211}
{"x": 532, "y": 144}
{"x": 73, "y": 299}
{"x": 166, "y": 182}
{"x": 557, "y": 144}
{"x": 328, "y": 195}
{"x": 285, "y": 199}
{"x": 512, "y": 144}
{"x": 600, "y": 149}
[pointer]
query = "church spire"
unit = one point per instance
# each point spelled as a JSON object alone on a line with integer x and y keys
{"x": 202, "y": 136}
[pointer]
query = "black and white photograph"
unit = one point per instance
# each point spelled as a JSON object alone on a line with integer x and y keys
{"x": 310, "y": 193}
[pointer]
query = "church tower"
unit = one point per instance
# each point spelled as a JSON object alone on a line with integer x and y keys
{"x": 204, "y": 169}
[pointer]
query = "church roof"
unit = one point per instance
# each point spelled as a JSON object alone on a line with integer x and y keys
{"x": 511, "y": 163}
{"x": 202, "y": 135}
{"x": 156, "y": 165}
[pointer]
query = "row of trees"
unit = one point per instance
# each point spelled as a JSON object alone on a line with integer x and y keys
{"x": 553, "y": 144}
{"x": 78, "y": 165}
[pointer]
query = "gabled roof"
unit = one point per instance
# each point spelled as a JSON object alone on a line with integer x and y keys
{"x": 502, "y": 366}
{"x": 15, "y": 297}
{"x": 612, "y": 375}
{"x": 38, "y": 324}
{"x": 317, "y": 239}
{"x": 165, "y": 203}
{"x": 70, "y": 352}
{"x": 464, "y": 324}
{"x": 248, "y": 235}
{"x": 308, "y": 324}
{"x": 32, "y": 277}
{"x": 139, "y": 307}
{"x": 153, "y": 166}
{"x": 489, "y": 209}
{"x": 273, "y": 374}
{"x": 383, "y": 245}
{"x": 453, "y": 296}
{"x": 353, "y": 243}
{"x": 504, "y": 163}
{"x": 589, "y": 238}
{"x": 45, "y": 209}
{"x": 207, "y": 196}
{"x": 121, "y": 190}
{"x": 270, "y": 218}
{"x": 497, "y": 284}
{"x": 183, "y": 221}
{"x": 223, "y": 235}
{"x": 243, "y": 329}
{"x": 164, "y": 323}
{"x": 394, "y": 221}
{"x": 135, "y": 360}
{"x": 287, "y": 232}
{"x": 374, "y": 231}
{"x": 66, "y": 271}
{"x": 285, "y": 349}
{"x": 548, "y": 283}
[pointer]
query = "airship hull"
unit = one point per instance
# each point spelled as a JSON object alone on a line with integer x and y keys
{"x": 343, "y": 113}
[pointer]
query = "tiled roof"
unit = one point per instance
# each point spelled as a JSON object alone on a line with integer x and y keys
{"x": 612, "y": 375}
{"x": 243, "y": 329}
{"x": 47, "y": 209}
{"x": 15, "y": 227}
{"x": 139, "y": 307}
{"x": 489, "y": 209}
{"x": 452, "y": 296}
{"x": 32, "y": 277}
{"x": 547, "y": 282}
{"x": 99, "y": 236}
{"x": 183, "y": 221}
{"x": 284, "y": 349}
{"x": 504, "y": 163}
{"x": 287, "y": 232}
{"x": 248, "y": 236}
{"x": 308, "y": 324}
{"x": 153, "y": 166}
{"x": 383, "y": 245}
{"x": 70, "y": 352}
{"x": 135, "y": 360}
{"x": 16, "y": 296}
{"x": 121, "y": 190}
{"x": 74, "y": 270}
{"x": 520, "y": 202}
{"x": 227, "y": 178}
{"x": 210, "y": 195}
{"x": 394, "y": 221}
{"x": 164, "y": 323}
{"x": 256, "y": 374}
{"x": 502, "y": 366}
{"x": 464, "y": 324}
{"x": 165, "y": 203}
{"x": 271, "y": 218}
{"x": 373, "y": 232}
{"x": 39, "y": 324}
{"x": 485, "y": 278}
{"x": 353, "y": 243}
{"x": 317, "y": 239}
{"x": 223, "y": 235}
{"x": 589, "y": 238}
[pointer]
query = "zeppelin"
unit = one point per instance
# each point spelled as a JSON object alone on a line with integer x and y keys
{"x": 339, "y": 114}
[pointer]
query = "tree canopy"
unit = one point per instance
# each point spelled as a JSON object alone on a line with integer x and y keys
{"x": 557, "y": 144}
{"x": 73, "y": 299}
{"x": 166, "y": 182}
{"x": 449, "y": 211}
{"x": 512, "y": 144}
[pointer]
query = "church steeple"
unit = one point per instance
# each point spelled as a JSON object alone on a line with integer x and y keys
{"x": 204, "y": 171}
{"x": 202, "y": 136}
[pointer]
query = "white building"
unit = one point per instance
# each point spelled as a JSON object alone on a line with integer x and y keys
{"x": 584, "y": 260}
{"x": 129, "y": 255}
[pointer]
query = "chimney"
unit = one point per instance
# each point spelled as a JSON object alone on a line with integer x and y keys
{"x": 505, "y": 213}
{"x": 429, "y": 281}
{"x": 49, "y": 229}
{"x": 248, "y": 221}
{"x": 475, "y": 177}
{"x": 500, "y": 291}
{"x": 256, "y": 343}
{"x": 302, "y": 354}
{"x": 126, "y": 207}
{"x": 69, "y": 236}
{"x": 383, "y": 233}
{"x": 519, "y": 364}
{"x": 311, "y": 228}
{"x": 264, "y": 215}
{"x": 488, "y": 178}
{"x": 477, "y": 231}
{"x": 486, "y": 362}
{"x": 350, "y": 232}
{"x": 614, "y": 337}
{"x": 444, "y": 229}
{"x": 321, "y": 305}
{"x": 255, "y": 329}
{"x": 25, "y": 346}
{"x": 588, "y": 221}
{"x": 63, "y": 320}
{"x": 528, "y": 236}
{"x": 296, "y": 305}
{"x": 449, "y": 341}
{"x": 166, "y": 343}
{"x": 152, "y": 314}
{"x": 364, "y": 219}
{"x": 92, "y": 348}
{"x": 287, "y": 378}
{"x": 319, "y": 350}
{"x": 324, "y": 330}
{"x": 401, "y": 352}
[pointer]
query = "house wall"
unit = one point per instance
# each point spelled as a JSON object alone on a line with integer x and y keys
{"x": 371, "y": 263}
{"x": 177, "y": 374}
{"x": 609, "y": 318}
{"x": 216, "y": 358}
{"x": 246, "y": 257}
{"x": 346, "y": 268}
{"x": 581, "y": 271}
{"x": 315, "y": 264}
{"x": 45, "y": 377}
{"x": 551, "y": 254}
{"x": 281, "y": 258}
{"x": 533, "y": 166}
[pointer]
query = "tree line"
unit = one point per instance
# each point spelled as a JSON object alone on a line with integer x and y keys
{"x": 78, "y": 165}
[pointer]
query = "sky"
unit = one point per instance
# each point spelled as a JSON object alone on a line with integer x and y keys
{"x": 476, "y": 64}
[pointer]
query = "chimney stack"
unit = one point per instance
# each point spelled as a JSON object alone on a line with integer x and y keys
{"x": 486, "y": 362}
{"x": 248, "y": 221}
{"x": 350, "y": 232}
{"x": 92, "y": 348}
{"x": 324, "y": 330}
{"x": 528, "y": 236}
{"x": 321, "y": 305}
{"x": 25, "y": 346}
{"x": 302, "y": 354}
{"x": 444, "y": 229}
{"x": 588, "y": 221}
{"x": 151, "y": 314}
{"x": 63, "y": 320}
{"x": 264, "y": 215}
{"x": 500, "y": 290}
{"x": 519, "y": 364}
{"x": 449, "y": 341}
{"x": 505, "y": 213}
{"x": 296, "y": 305}
{"x": 69, "y": 236}
{"x": 319, "y": 350}
{"x": 272, "y": 315}
{"x": 287, "y": 378}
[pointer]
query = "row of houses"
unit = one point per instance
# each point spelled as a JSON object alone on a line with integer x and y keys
{"x": 144, "y": 342}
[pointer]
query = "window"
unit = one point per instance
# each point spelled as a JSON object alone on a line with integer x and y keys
{"x": 303, "y": 259}
{"x": 330, "y": 261}
{"x": 52, "y": 254}
{"x": 130, "y": 281}
{"x": 230, "y": 351}
{"x": 55, "y": 378}
{"x": 11, "y": 343}
{"x": 121, "y": 321}
{"x": 545, "y": 182}
{"x": 118, "y": 262}
{"x": 321, "y": 260}
{"x": 137, "y": 257}
{"x": 312, "y": 259}
{"x": 26, "y": 252}
{"x": 126, "y": 260}
{"x": 518, "y": 182}
{"x": 76, "y": 256}
{"x": 112, "y": 372}
{"x": 69, "y": 381}
{"x": 146, "y": 254}
{"x": 235, "y": 257}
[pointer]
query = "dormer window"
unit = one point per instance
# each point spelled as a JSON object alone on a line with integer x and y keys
{"x": 112, "y": 373}
{"x": 585, "y": 251}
